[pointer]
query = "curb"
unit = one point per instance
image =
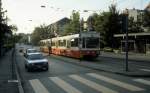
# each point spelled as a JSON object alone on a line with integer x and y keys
{"x": 114, "y": 72}
{"x": 17, "y": 73}
{"x": 130, "y": 59}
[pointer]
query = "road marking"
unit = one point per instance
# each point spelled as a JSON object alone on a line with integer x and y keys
{"x": 92, "y": 84}
{"x": 146, "y": 82}
{"x": 116, "y": 82}
{"x": 38, "y": 86}
{"x": 147, "y": 70}
{"x": 64, "y": 85}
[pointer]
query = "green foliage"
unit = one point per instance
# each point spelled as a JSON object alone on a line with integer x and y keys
{"x": 67, "y": 29}
{"x": 74, "y": 25}
{"x": 107, "y": 49}
{"x": 41, "y": 32}
{"x": 146, "y": 19}
{"x": 107, "y": 23}
{"x": 22, "y": 38}
{"x": 134, "y": 26}
{"x": 13, "y": 28}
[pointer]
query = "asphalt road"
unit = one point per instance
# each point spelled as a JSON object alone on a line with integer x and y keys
{"x": 65, "y": 77}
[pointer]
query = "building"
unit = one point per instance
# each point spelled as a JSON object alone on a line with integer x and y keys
{"x": 137, "y": 42}
{"x": 147, "y": 7}
{"x": 58, "y": 27}
{"x": 136, "y": 14}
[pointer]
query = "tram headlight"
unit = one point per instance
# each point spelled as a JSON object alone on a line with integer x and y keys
{"x": 88, "y": 52}
{"x": 93, "y": 52}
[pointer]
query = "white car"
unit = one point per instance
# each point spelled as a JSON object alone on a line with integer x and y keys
{"x": 30, "y": 50}
{"x": 34, "y": 61}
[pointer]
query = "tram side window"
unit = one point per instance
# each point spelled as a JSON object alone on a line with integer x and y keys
{"x": 74, "y": 42}
{"x": 44, "y": 43}
{"x": 68, "y": 44}
{"x": 56, "y": 43}
{"x": 64, "y": 42}
{"x": 60, "y": 42}
{"x": 53, "y": 43}
{"x": 47, "y": 43}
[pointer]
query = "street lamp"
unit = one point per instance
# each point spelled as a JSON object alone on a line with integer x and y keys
{"x": 43, "y": 6}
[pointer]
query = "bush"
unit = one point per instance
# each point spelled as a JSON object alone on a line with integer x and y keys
{"x": 108, "y": 49}
{"x": 116, "y": 51}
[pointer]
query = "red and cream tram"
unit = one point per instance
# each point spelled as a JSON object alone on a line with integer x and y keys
{"x": 85, "y": 44}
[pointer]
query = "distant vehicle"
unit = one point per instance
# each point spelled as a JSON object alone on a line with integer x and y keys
{"x": 30, "y": 50}
{"x": 35, "y": 61}
{"x": 85, "y": 44}
{"x": 21, "y": 49}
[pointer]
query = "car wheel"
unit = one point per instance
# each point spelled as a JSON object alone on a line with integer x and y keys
{"x": 46, "y": 69}
{"x": 28, "y": 69}
{"x": 25, "y": 66}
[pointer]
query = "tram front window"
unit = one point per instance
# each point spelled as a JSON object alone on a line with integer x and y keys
{"x": 92, "y": 42}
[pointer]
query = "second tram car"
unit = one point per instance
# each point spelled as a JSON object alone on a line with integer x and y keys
{"x": 85, "y": 44}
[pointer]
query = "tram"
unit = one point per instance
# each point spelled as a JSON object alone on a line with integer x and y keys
{"x": 85, "y": 44}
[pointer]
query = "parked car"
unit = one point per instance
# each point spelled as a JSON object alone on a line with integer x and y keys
{"x": 34, "y": 61}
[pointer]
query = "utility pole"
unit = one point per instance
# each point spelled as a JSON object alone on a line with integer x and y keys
{"x": 0, "y": 28}
{"x": 126, "y": 45}
{"x": 125, "y": 29}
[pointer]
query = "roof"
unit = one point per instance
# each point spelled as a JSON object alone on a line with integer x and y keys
{"x": 34, "y": 53}
{"x": 31, "y": 49}
{"x": 133, "y": 34}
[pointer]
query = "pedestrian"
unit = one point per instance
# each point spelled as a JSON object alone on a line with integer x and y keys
{"x": 49, "y": 50}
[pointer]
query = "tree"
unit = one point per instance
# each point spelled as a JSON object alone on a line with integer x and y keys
{"x": 67, "y": 29}
{"x": 74, "y": 26}
{"x": 134, "y": 26}
{"x": 107, "y": 23}
{"x": 40, "y": 33}
{"x": 13, "y": 28}
{"x": 146, "y": 18}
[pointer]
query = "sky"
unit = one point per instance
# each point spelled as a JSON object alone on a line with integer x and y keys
{"x": 27, "y": 14}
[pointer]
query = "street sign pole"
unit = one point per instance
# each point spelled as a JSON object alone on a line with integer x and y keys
{"x": 126, "y": 42}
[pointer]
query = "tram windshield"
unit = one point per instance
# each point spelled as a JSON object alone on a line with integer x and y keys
{"x": 91, "y": 43}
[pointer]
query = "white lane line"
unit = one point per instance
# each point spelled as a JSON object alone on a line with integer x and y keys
{"x": 146, "y": 82}
{"x": 92, "y": 84}
{"x": 116, "y": 82}
{"x": 38, "y": 86}
{"x": 147, "y": 70}
{"x": 64, "y": 85}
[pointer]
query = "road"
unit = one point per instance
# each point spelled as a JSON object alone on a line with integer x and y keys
{"x": 66, "y": 77}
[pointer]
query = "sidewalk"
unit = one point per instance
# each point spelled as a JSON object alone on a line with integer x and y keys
{"x": 131, "y": 56}
{"x": 118, "y": 68}
{"x": 7, "y": 74}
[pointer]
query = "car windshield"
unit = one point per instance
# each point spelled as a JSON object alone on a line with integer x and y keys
{"x": 92, "y": 42}
{"x": 35, "y": 56}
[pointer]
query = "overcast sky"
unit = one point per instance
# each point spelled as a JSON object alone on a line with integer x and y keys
{"x": 21, "y": 12}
